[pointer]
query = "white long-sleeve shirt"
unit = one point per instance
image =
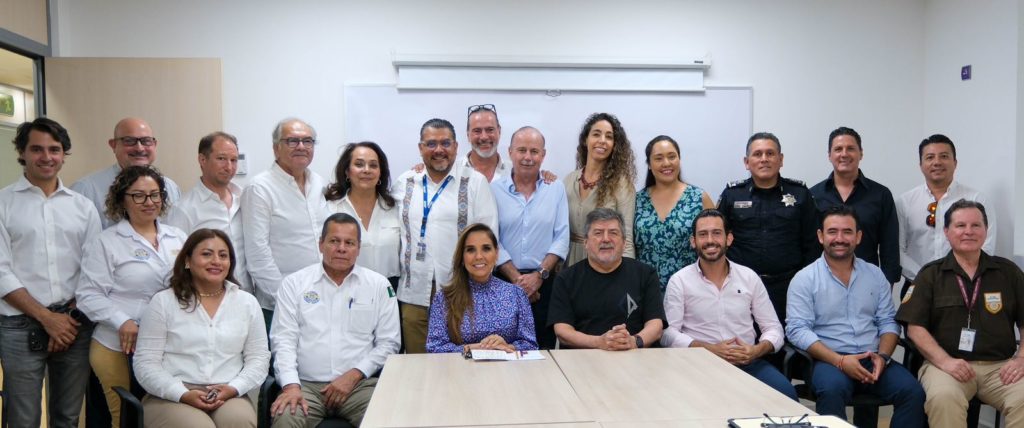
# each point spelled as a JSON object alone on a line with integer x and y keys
{"x": 178, "y": 346}
{"x": 95, "y": 187}
{"x": 920, "y": 243}
{"x": 201, "y": 208}
{"x": 322, "y": 330}
{"x": 282, "y": 228}
{"x": 467, "y": 199}
{"x": 697, "y": 310}
{"x": 380, "y": 242}
{"x": 121, "y": 271}
{"x": 42, "y": 241}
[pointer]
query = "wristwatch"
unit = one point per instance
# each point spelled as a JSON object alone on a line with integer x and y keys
{"x": 544, "y": 273}
{"x": 639, "y": 341}
{"x": 885, "y": 357}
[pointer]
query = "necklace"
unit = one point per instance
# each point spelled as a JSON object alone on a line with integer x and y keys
{"x": 215, "y": 294}
{"x": 586, "y": 184}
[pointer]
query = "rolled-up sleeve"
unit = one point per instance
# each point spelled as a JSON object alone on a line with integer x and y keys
{"x": 885, "y": 312}
{"x": 560, "y": 241}
{"x": 766, "y": 318}
{"x": 675, "y": 311}
{"x": 800, "y": 311}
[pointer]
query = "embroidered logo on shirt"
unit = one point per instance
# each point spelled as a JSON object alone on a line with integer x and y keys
{"x": 141, "y": 254}
{"x": 630, "y": 305}
{"x": 993, "y": 302}
{"x": 391, "y": 291}
{"x": 910, "y": 291}
{"x": 311, "y": 297}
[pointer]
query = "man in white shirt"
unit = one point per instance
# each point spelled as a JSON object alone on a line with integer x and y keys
{"x": 920, "y": 209}
{"x": 133, "y": 144}
{"x": 214, "y": 203}
{"x": 435, "y": 205}
{"x": 335, "y": 325}
{"x": 282, "y": 210}
{"x": 713, "y": 304}
{"x": 43, "y": 229}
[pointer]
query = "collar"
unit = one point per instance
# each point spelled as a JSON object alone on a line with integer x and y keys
{"x": 469, "y": 161}
{"x": 23, "y": 185}
{"x": 323, "y": 274}
{"x": 125, "y": 229}
{"x": 473, "y": 285}
{"x": 752, "y": 187}
{"x": 949, "y": 263}
{"x": 860, "y": 181}
{"x": 207, "y": 193}
{"x": 512, "y": 182}
{"x": 728, "y": 269}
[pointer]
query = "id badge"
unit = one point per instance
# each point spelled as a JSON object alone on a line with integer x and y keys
{"x": 421, "y": 252}
{"x": 967, "y": 339}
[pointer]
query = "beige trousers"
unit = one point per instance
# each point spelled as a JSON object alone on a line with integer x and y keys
{"x": 352, "y": 409}
{"x": 111, "y": 368}
{"x": 947, "y": 398}
{"x": 414, "y": 327}
{"x": 235, "y": 413}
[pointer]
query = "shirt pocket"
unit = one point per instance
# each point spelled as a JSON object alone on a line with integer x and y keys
{"x": 361, "y": 320}
{"x": 231, "y": 336}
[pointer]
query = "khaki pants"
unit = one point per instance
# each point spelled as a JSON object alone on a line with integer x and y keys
{"x": 235, "y": 413}
{"x": 414, "y": 327}
{"x": 947, "y": 398}
{"x": 111, "y": 368}
{"x": 352, "y": 409}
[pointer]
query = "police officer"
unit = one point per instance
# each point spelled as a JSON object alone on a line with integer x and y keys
{"x": 773, "y": 220}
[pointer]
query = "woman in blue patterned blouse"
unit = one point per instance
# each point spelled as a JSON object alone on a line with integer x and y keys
{"x": 665, "y": 210}
{"x": 476, "y": 310}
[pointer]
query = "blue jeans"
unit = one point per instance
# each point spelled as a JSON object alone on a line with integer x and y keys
{"x": 769, "y": 375}
{"x": 24, "y": 371}
{"x": 896, "y": 385}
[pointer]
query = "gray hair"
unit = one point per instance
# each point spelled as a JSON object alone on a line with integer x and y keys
{"x": 602, "y": 214}
{"x": 276, "y": 135}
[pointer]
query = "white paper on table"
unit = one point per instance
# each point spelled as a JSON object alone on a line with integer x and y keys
{"x": 499, "y": 355}
{"x": 817, "y": 421}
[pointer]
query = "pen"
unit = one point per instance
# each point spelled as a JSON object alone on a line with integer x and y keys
{"x": 350, "y": 300}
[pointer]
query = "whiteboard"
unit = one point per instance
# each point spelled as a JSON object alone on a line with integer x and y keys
{"x": 711, "y": 127}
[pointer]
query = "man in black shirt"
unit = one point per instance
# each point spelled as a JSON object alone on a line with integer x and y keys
{"x": 774, "y": 220}
{"x": 607, "y": 301}
{"x": 876, "y": 209}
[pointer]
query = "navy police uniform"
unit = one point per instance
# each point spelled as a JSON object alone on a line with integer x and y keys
{"x": 774, "y": 232}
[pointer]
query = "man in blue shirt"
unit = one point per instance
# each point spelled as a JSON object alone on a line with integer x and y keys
{"x": 840, "y": 310}
{"x": 533, "y": 222}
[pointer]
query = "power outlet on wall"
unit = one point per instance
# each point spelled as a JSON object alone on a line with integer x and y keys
{"x": 243, "y": 166}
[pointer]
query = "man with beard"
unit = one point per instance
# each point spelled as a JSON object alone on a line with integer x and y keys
{"x": 713, "y": 304}
{"x": 436, "y": 204}
{"x": 282, "y": 211}
{"x": 607, "y": 301}
{"x": 840, "y": 311}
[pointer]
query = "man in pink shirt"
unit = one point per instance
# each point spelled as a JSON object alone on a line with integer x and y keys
{"x": 714, "y": 303}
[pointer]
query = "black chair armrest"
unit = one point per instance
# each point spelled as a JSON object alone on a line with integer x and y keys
{"x": 131, "y": 408}
{"x": 268, "y": 393}
{"x": 797, "y": 363}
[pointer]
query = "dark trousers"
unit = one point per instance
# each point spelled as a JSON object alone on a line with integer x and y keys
{"x": 545, "y": 333}
{"x": 834, "y": 390}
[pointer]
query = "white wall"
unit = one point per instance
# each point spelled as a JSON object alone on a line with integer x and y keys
{"x": 980, "y": 114}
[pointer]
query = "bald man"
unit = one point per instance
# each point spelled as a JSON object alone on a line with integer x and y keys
{"x": 133, "y": 144}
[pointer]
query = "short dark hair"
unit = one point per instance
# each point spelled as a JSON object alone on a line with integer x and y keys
{"x": 341, "y": 218}
{"x": 840, "y": 131}
{"x": 206, "y": 143}
{"x": 437, "y": 124}
{"x": 602, "y": 214}
{"x": 935, "y": 139}
{"x": 763, "y": 136}
{"x": 840, "y": 211}
{"x": 964, "y": 204}
{"x": 649, "y": 181}
{"x": 41, "y": 124}
{"x": 115, "y": 209}
{"x": 709, "y": 213}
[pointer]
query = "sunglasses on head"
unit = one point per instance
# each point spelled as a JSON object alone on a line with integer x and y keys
{"x": 478, "y": 107}
{"x": 930, "y": 220}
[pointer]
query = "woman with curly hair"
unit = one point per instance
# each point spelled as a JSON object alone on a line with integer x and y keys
{"x": 122, "y": 269}
{"x": 202, "y": 342}
{"x": 605, "y": 178}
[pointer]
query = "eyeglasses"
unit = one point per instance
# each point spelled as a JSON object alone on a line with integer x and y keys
{"x": 478, "y": 107}
{"x": 133, "y": 141}
{"x": 446, "y": 144}
{"x": 930, "y": 220}
{"x": 294, "y": 141}
{"x": 140, "y": 198}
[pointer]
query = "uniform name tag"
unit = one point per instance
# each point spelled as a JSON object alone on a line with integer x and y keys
{"x": 967, "y": 339}
{"x": 743, "y": 204}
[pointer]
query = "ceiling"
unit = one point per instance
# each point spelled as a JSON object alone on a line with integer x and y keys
{"x": 16, "y": 70}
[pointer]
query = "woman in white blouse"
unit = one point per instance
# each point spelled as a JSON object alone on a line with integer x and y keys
{"x": 122, "y": 269}
{"x": 202, "y": 343}
{"x": 361, "y": 186}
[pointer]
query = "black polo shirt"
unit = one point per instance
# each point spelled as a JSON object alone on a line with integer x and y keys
{"x": 876, "y": 211}
{"x": 594, "y": 302}
{"x": 936, "y": 303}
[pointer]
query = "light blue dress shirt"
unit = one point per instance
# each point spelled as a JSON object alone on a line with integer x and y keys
{"x": 849, "y": 320}
{"x": 531, "y": 229}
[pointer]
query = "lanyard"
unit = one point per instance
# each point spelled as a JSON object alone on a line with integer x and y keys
{"x": 427, "y": 206}
{"x": 974, "y": 298}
